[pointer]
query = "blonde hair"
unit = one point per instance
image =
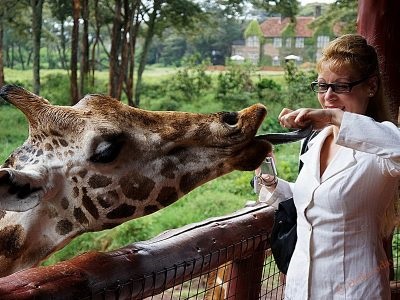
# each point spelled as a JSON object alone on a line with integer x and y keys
{"x": 352, "y": 51}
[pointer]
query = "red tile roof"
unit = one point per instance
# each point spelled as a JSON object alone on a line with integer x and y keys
{"x": 273, "y": 26}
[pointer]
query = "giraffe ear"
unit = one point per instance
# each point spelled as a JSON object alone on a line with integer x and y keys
{"x": 20, "y": 190}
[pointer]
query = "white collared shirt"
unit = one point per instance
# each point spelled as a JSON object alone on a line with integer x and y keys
{"x": 339, "y": 252}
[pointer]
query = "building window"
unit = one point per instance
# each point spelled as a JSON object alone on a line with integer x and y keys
{"x": 289, "y": 43}
{"x": 252, "y": 41}
{"x": 299, "y": 42}
{"x": 278, "y": 42}
{"x": 322, "y": 41}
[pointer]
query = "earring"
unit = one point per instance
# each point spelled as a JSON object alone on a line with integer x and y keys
{"x": 371, "y": 94}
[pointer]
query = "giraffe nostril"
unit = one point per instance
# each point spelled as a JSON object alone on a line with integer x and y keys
{"x": 230, "y": 118}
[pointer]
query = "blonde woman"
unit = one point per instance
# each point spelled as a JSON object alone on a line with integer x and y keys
{"x": 346, "y": 192}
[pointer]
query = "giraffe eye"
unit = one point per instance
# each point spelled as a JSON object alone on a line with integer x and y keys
{"x": 107, "y": 151}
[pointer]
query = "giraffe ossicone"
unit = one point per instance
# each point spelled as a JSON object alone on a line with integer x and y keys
{"x": 100, "y": 163}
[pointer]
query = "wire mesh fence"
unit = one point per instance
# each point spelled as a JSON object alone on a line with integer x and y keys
{"x": 211, "y": 284}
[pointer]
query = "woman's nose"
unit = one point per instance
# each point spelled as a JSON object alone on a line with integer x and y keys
{"x": 330, "y": 94}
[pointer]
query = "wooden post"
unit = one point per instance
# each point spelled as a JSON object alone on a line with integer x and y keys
{"x": 246, "y": 275}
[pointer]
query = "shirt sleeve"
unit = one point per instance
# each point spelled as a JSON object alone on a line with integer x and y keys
{"x": 282, "y": 192}
{"x": 364, "y": 134}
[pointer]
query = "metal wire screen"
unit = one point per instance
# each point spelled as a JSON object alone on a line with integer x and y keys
{"x": 212, "y": 284}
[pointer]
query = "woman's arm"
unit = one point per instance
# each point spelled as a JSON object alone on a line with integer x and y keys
{"x": 364, "y": 134}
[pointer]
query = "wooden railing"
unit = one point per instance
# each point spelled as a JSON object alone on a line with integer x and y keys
{"x": 144, "y": 269}
{"x": 150, "y": 267}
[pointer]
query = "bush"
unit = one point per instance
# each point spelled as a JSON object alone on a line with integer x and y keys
{"x": 188, "y": 84}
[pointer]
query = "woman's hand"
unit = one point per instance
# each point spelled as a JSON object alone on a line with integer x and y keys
{"x": 318, "y": 118}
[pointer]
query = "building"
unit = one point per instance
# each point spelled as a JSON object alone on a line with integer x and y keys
{"x": 281, "y": 38}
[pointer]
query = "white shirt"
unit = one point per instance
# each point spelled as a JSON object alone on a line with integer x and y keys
{"x": 339, "y": 252}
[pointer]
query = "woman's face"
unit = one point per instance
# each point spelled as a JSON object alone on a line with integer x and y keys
{"x": 356, "y": 101}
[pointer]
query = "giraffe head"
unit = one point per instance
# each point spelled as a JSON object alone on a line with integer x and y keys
{"x": 100, "y": 163}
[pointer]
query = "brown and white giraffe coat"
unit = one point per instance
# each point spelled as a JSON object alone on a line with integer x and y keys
{"x": 100, "y": 163}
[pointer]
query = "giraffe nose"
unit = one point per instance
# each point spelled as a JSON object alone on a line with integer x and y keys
{"x": 230, "y": 118}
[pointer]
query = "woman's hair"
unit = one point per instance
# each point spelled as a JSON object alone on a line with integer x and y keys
{"x": 352, "y": 51}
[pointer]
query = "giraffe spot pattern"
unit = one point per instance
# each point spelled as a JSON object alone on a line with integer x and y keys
{"x": 108, "y": 199}
{"x": 63, "y": 142}
{"x": 75, "y": 192}
{"x": 64, "y": 203}
{"x": 11, "y": 240}
{"x": 168, "y": 169}
{"x": 54, "y": 132}
{"x": 149, "y": 209}
{"x": 122, "y": 211}
{"x": 39, "y": 153}
{"x": 89, "y": 205}
{"x": 48, "y": 147}
{"x": 82, "y": 173}
{"x": 191, "y": 180}
{"x": 167, "y": 196}
{"x": 99, "y": 181}
{"x": 80, "y": 216}
{"x": 64, "y": 227}
{"x": 136, "y": 187}
{"x": 109, "y": 225}
{"x": 55, "y": 143}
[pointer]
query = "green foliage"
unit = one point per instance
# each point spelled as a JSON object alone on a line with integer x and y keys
{"x": 13, "y": 130}
{"x": 189, "y": 83}
{"x": 235, "y": 86}
{"x": 289, "y": 30}
{"x": 253, "y": 29}
{"x": 342, "y": 13}
{"x": 299, "y": 93}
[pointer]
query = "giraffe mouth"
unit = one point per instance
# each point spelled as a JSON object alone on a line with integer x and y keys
{"x": 286, "y": 137}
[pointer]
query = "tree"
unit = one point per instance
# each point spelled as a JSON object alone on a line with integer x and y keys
{"x": 123, "y": 40}
{"x": 164, "y": 14}
{"x": 76, "y": 10}
{"x": 61, "y": 10}
{"x": 342, "y": 16}
{"x": 84, "y": 47}
{"x": 37, "y": 7}
{"x": 286, "y": 8}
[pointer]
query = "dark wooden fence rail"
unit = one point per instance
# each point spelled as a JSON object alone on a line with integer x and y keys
{"x": 147, "y": 268}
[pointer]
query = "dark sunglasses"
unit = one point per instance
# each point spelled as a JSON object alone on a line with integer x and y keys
{"x": 337, "y": 87}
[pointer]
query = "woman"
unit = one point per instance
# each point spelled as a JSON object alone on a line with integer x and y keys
{"x": 346, "y": 192}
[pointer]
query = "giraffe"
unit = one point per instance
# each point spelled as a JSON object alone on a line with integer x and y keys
{"x": 99, "y": 163}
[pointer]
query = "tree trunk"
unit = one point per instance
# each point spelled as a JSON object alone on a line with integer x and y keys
{"x": 1, "y": 55}
{"x": 96, "y": 40}
{"x": 143, "y": 56}
{"x": 76, "y": 7}
{"x": 85, "y": 47}
{"x": 63, "y": 46}
{"x": 115, "y": 50}
{"x": 378, "y": 23}
{"x": 132, "y": 46}
{"x": 37, "y": 6}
